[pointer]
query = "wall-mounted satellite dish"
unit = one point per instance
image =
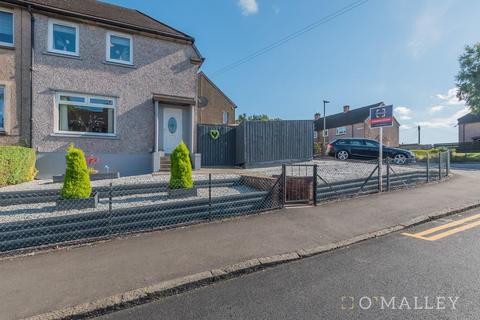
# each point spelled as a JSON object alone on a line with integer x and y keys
{"x": 202, "y": 102}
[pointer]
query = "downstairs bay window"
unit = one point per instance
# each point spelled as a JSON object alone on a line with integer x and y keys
{"x": 86, "y": 115}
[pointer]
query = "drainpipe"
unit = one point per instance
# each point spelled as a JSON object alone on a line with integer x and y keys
{"x": 32, "y": 45}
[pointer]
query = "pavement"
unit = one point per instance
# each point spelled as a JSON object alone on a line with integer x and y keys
{"x": 392, "y": 277}
{"x": 71, "y": 279}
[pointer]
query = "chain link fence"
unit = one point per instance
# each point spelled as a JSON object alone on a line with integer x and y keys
{"x": 39, "y": 217}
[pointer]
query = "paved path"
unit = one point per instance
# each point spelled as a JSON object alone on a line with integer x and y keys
{"x": 376, "y": 279}
{"x": 45, "y": 282}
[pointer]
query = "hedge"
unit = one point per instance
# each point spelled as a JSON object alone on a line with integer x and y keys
{"x": 17, "y": 165}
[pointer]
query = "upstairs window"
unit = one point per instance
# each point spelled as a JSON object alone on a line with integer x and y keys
{"x": 63, "y": 37}
{"x": 84, "y": 114}
{"x": 2, "y": 108}
{"x": 341, "y": 131}
{"x": 119, "y": 48}
{"x": 6, "y": 27}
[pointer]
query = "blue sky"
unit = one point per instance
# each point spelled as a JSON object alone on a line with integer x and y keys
{"x": 402, "y": 52}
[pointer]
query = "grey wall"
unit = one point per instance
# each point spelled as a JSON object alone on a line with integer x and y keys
{"x": 159, "y": 67}
{"x": 53, "y": 163}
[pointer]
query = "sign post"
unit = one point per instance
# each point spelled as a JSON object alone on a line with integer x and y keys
{"x": 381, "y": 117}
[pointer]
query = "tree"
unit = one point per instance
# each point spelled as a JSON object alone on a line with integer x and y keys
{"x": 255, "y": 117}
{"x": 468, "y": 78}
{"x": 181, "y": 168}
{"x": 76, "y": 184}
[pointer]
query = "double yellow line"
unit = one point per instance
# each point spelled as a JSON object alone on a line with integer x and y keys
{"x": 461, "y": 225}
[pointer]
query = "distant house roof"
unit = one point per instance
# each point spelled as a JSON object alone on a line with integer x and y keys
{"x": 106, "y": 13}
{"x": 346, "y": 118}
{"x": 469, "y": 118}
{"x": 202, "y": 74}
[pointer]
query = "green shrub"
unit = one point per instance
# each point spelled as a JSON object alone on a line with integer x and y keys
{"x": 181, "y": 168}
{"x": 76, "y": 184}
{"x": 17, "y": 165}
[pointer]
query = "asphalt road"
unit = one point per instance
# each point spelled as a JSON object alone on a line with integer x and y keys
{"x": 392, "y": 277}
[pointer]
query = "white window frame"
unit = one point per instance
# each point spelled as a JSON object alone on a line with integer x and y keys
{"x": 225, "y": 117}
{"x": 341, "y": 131}
{"x": 7, "y": 44}
{"x": 107, "y": 47}
{"x": 51, "y": 48}
{"x": 2, "y": 129}
{"x": 87, "y": 103}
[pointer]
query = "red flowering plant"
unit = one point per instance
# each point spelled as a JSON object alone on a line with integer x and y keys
{"x": 91, "y": 161}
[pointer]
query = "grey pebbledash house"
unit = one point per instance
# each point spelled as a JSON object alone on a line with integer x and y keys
{"x": 111, "y": 80}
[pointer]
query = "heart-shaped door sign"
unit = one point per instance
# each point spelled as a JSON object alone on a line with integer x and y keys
{"x": 214, "y": 133}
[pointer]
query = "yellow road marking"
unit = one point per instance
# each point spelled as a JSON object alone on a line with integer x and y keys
{"x": 423, "y": 235}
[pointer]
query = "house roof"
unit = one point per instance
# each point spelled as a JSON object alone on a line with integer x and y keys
{"x": 346, "y": 118}
{"x": 469, "y": 118}
{"x": 202, "y": 74}
{"x": 106, "y": 13}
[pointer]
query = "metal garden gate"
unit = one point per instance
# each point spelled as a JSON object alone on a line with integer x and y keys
{"x": 299, "y": 184}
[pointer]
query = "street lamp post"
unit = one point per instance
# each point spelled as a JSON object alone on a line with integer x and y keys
{"x": 324, "y": 124}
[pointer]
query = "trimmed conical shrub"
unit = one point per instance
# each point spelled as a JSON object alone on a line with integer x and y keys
{"x": 76, "y": 184}
{"x": 180, "y": 168}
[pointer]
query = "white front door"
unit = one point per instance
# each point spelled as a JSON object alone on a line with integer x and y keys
{"x": 172, "y": 128}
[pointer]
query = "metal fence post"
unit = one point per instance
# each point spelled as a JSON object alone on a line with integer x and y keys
{"x": 209, "y": 196}
{"x": 380, "y": 182}
{"x": 428, "y": 167}
{"x": 448, "y": 163}
{"x": 315, "y": 185}
{"x": 110, "y": 204}
{"x": 284, "y": 185}
{"x": 388, "y": 174}
{"x": 440, "y": 166}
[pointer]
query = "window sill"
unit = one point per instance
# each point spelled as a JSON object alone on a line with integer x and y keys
{"x": 86, "y": 136}
{"x": 6, "y": 46}
{"x": 61, "y": 55}
{"x": 118, "y": 64}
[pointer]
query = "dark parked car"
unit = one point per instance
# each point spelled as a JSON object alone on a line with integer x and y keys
{"x": 344, "y": 149}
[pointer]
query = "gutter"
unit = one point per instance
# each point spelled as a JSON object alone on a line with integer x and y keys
{"x": 63, "y": 12}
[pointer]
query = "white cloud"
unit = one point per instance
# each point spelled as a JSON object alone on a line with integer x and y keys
{"x": 248, "y": 6}
{"x": 405, "y": 126}
{"x": 434, "y": 109}
{"x": 451, "y": 97}
{"x": 403, "y": 113}
{"x": 446, "y": 122}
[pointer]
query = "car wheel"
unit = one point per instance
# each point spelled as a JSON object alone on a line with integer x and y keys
{"x": 342, "y": 155}
{"x": 400, "y": 158}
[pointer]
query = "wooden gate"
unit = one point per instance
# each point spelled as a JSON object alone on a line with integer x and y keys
{"x": 217, "y": 144}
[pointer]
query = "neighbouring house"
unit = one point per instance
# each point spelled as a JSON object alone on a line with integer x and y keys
{"x": 214, "y": 106}
{"x": 111, "y": 80}
{"x": 354, "y": 124}
{"x": 469, "y": 128}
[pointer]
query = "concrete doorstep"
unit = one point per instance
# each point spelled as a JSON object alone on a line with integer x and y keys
{"x": 89, "y": 280}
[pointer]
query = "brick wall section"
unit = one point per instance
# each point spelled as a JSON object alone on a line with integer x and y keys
{"x": 15, "y": 76}
{"x": 217, "y": 103}
{"x": 391, "y": 135}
